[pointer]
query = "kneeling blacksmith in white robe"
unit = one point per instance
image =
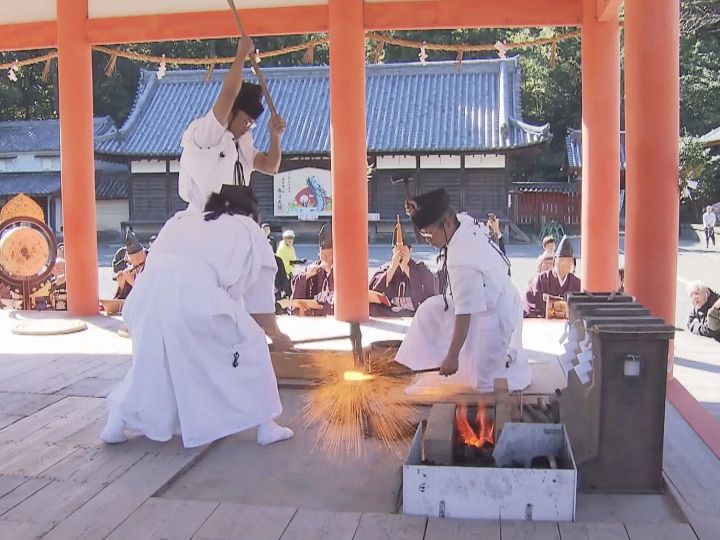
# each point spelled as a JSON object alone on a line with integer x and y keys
{"x": 474, "y": 333}
{"x": 198, "y": 316}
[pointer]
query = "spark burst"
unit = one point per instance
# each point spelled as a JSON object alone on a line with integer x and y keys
{"x": 347, "y": 404}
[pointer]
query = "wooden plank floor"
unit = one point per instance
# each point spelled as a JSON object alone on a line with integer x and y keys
{"x": 57, "y": 481}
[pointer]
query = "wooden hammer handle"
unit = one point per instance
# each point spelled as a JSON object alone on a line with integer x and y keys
{"x": 253, "y": 61}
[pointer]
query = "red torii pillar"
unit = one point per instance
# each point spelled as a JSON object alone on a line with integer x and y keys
{"x": 348, "y": 149}
{"x": 652, "y": 99}
{"x": 600, "y": 150}
{"x": 77, "y": 157}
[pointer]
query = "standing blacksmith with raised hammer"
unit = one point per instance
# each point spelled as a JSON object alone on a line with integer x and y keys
{"x": 472, "y": 330}
{"x": 218, "y": 148}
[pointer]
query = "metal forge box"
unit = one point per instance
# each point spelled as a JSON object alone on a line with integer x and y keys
{"x": 614, "y": 404}
{"x": 529, "y": 474}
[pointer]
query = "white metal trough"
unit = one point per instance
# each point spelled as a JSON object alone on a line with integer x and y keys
{"x": 506, "y": 493}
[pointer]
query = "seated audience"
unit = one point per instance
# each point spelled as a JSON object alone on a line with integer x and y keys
{"x": 405, "y": 282}
{"x": 316, "y": 281}
{"x": 548, "y": 244}
{"x": 268, "y": 234}
{"x": 5, "y": 296}
{"x": 704, "y": 318}
{"x": 545, "y": 262}
{"x": 135, "y": 256}
{"x": 286, "y": 251}
{"x": 493, "y": 225}
{"x": 558, "y": 281}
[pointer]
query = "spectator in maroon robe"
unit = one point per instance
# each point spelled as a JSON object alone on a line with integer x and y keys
{"x": 316, "y": 281}
{"x": 135, "y": 256}
{"x": 405, "y": 282}
{"x": 558, "y": 281}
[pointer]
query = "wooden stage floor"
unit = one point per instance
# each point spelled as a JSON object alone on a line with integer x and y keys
{"x": 58, "y": 481}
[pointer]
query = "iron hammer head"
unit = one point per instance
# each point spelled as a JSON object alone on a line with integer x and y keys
{"x": 398, "y": 178}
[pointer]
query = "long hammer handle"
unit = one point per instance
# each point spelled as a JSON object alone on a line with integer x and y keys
{"x": 253, "y": 62}
{"x": 428, "y": 370}
{"x": 319, "y": 339}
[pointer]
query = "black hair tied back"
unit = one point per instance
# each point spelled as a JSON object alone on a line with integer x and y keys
{"x": 232, "y": 200}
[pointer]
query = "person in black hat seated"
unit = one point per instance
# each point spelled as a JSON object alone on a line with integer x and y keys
{"x": 218, "y": 148}
{"x": 268, "y": 234}
{"x": 199, "y": 316}
{"x": 557, "y": 282}
{"x": 472, "y": 331}
{"x": 135, "y": 257}
{"x": 404, "y": 282}
{"x": 316, "y": 281}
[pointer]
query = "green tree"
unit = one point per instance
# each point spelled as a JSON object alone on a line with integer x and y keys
{"x": 697, "y": 164}
{"x": 699, "y": 65}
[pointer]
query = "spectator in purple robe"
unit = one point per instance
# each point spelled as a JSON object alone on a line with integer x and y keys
{"x": 558, "y": 281}
{"x": 405, "y": 282}
{"x": 316, "y": 281}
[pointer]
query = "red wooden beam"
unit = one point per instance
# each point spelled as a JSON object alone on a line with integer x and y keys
{"x": 207, "y": 25}
{"x": 40, "y": 35}
{"x": 607, "y": 9}
{"x": 472, "y": 14}
{"x": 306, "y": 19}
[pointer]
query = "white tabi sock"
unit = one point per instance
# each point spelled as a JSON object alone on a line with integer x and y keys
{"x": 114, "y": 431}
{"x": 270, "y": 432}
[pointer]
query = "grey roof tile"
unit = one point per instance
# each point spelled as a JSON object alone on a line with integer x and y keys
{"x": 108, "y": 185}
{"x": 20, "y": 136}
{"x": 573, "y": 147}
{"x": 410, "y": 108}
{"x": 546, "y": 187}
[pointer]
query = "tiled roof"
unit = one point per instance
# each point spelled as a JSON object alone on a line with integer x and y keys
{"x": 19, "y": 136}
{"x": 711, "y": 138}
{"x": 573, "y": 146}
{"x": 111, "y": 185}
{"x": 546, "y": 187}
{"x": 108, "y": 185}
{"x": 410, "y": 108}
{"x": 30, "y": 183}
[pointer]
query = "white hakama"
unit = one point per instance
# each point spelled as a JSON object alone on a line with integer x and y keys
{"x": 201, "y": 365}
{"x": 479, "y": 286}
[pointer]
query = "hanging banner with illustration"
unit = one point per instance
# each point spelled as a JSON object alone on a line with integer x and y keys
{"x": 305, "y": 193}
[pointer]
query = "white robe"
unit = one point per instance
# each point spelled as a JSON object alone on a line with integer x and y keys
{"x": 189, "y": 317}
{"x": 480, "y": 287}
{"x": 208, "y": 159}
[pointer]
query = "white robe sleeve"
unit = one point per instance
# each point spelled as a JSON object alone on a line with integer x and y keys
{"x": 467, "y": 287}
{"x": 202, "y": 142}
{"x": 257, "y": 266}
{"x": 207, "y": 131}
{"x": 261, "y": 297}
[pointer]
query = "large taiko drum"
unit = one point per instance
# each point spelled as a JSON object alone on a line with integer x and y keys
{"x": 27, "y": 255}
{"x": 24, "y": 252}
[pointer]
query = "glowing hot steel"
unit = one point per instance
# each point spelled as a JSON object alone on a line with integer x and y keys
{"x": 486, "y": 429}
{"x": 357, "y": 376}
